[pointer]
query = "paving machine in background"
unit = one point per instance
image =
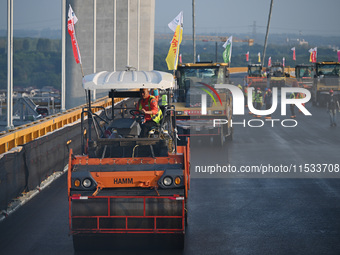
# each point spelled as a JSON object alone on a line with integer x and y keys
{"x": 255, "y": 77}
{"x": 304, "y": 75}
{"x": 196, "y": 81}
{"x": 327, "y": 77}
{"x": 277, "y": 75}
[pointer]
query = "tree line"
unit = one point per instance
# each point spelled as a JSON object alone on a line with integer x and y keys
{"x": 37, "y": 61}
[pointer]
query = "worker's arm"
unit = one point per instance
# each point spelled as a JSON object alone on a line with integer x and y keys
{"x": 146, "y": 112}
{"x": 153, "y": 106}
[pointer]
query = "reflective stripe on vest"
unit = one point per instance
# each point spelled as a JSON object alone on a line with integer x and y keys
{"x": 164, "y": 99}
{"x": 258, "y": 98}
{"x": 155, "y": 117}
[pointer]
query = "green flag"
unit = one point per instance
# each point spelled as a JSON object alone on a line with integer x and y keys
{"x": 227, "y": 51}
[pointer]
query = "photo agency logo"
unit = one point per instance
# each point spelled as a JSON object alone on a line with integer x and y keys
{"x": 238, "y": 105}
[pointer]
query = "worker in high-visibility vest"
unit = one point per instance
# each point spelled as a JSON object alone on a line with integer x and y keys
{"x": 148, "y": 106}
{"x": 268, "y": 100}
{"x": 292, "y": 106}
{"x": 164, "y": 100}
{"x": 155, "y": 93}
{"x": 301, "y": 95}
{"x": 254, "y": 93}
{"x": 245, "y": 96}
{"x": 259, "y": 99}
{"x": 332, "y": 105}
{"x": 241, "y": 88}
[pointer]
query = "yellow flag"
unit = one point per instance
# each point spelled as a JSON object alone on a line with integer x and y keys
{"x": 172, "y": 58}
{"x": 259, "y": 57}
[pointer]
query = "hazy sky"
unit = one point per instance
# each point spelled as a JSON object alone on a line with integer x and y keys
{"x": 221, "y": 16}
{"x": 307, "y": 16}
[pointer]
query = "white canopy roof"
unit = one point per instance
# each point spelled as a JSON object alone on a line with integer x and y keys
{"x": 129, "y": 79}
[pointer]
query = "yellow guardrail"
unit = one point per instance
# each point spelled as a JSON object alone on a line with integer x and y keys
{"x": 290, "y": 70}
{"x": 36, "y": 129}
{"x": 238, "y": 69}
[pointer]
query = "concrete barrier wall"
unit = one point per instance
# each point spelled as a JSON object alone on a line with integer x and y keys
{"x": 13, "y": 175}
{"x": 25, "y": 167}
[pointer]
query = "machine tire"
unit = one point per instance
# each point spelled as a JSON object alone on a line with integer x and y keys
{"x": 183, "y": 139}
{"x": 130, "y": 242}
{"x": 229, "y": 138}
{"x": 177, "y": 241}
{"x": 219, "y": 140}
{"x": 185, "y": 217}
{"x": 180, "y": 241}
{"x": 80, "y": 243}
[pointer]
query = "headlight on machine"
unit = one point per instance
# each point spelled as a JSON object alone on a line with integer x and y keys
{"x": 171, "y": 179}
{"x": 87, "y": 183}
{"x": 83, "y": 181}
{"x": 217, "y": 112}
{"x": 167, "y": 181}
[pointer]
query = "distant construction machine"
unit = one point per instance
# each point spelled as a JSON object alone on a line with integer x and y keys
{"x": 327, "y": 77}
{"x": 255, "y": 77}
{"x": 196, "y": 81}
{"x": 277, "y": 75}
{"x": 304, "y": 74}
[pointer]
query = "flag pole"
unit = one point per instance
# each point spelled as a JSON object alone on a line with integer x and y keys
{"x": 94, "y": 43}
{"x": 82, "y": 71}
{"x": 63, "y": 55}
{"x": 193, "y": 30}
{"x": 9, "y": 65}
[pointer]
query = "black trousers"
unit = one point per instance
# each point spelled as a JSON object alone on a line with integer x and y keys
{"x": 292, "y": 109}
{"x": 146, "y": 127}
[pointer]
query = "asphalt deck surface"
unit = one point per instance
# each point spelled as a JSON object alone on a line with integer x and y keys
{"x": 238, "y": 213}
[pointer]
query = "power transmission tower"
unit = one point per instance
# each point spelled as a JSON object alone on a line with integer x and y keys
{"x": 265, "y": 42}
{"x": 254, "y": 30}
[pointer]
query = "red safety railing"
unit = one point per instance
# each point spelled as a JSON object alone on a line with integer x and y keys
{"x": 126, "y": 229}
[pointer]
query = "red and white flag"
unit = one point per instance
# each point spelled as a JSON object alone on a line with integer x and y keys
{"x": 283, "y": 61}
{"x": 313, "y": 54}
{"x": 269, "y": 61}
{"x": 294, "y": 56}
{"x": 247, "y": 56}
{"x": 72, "y": 19}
